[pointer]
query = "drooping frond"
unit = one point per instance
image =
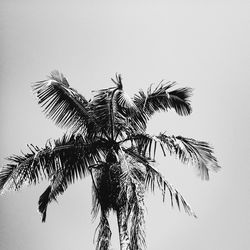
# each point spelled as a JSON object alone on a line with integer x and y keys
{"x": 71, "y": 153}
{"x": 43, "y": 202}
{"x": 154, "y": 177}
{"x": 59, "y": 184}
{"x": 137, "y": 231}
{"x": 132, "y": 173}
{"x": 104, "y": 234}
{"x": 26, "y": 168}
{"x": 100, "y": 188}
{"x": 60, "y": 180}
{"x": 188, "y": 150}
{"x": 162, "y": 98}
{"x": 75, "y": 163}
{"x": 63, "y": 104}
{"x": 197, "y": 153}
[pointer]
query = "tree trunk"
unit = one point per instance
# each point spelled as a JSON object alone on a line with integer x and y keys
{"x": 123, "y": 229}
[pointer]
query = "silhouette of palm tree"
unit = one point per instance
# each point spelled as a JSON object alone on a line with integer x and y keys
{"x": 106, "y": 139}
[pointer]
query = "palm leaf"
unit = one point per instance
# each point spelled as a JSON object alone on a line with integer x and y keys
{"x": 188, "y": 150}
{"x": 132, "y": 173}
{"x": 104, "y": 234}
{"x": 60, "y": 181}
{"x": 197, "y": 153}
{"x": 75, "y": 161}
{"x": 137, "y": 232}
{"x": 100, "y": 106}
{"x": 26, "y": 168}
{"x": 43, "y": 202}
{"x": 124, "y": 102}
{"x": 61, "y": 103}
{"x": 163, "y": 99}
{"x": 132, "y": 183}
{"x": 113, "y": 110}
{"x": 100, "y": 188}
{"x": 154, "y": 177}
{"x": 71, "y": 152}
{"x": 59, "y": 184}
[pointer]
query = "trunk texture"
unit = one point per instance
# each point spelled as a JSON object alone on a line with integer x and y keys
{"x": 123, "y": 229}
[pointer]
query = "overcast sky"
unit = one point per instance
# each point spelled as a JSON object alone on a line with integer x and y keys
{"x": 200, "y": 45}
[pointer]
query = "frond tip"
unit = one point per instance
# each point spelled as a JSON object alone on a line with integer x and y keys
{"x": 43, "y": 203}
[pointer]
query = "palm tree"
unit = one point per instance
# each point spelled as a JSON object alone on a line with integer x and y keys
{"x": 106, "y": 139}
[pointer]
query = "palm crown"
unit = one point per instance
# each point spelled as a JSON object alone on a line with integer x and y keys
{"x": 106, "y": 139}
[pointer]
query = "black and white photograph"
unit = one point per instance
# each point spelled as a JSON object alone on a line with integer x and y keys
{"x": 124, "y": 125}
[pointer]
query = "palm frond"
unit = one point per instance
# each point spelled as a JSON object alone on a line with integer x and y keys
{"x": 26, "y": 168}
{"x": 113, "y": 109}
{"x": 188, "y": 150}
{"x": 197, "y": 153}
{"x": 5, "y": 176}
{"x": 154, "y": 177}
{"x": 132, "y": 173}
{"x": 100, "y": 189}
{"x": 100, "y": 106}
{"x": 104, "y": 234}
{"x": 72, "y": 152}
{"x": 122, "y": 107}
{"x": 137, "y": 232}
{"x": 127, "y": 119}
{"x": 104, "y": 106}
{"x": 63, "y": 104}
{"x": 75, "y": 161}
{"x": 162, "y": 98}
{"x": 43, "y": 202}
{"x": 118, "y": 81}
{"x": 125, "y": 102}
{"x": 59, "y": 184}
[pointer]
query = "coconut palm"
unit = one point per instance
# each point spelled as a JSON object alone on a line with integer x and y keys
{"x": 106, "y": 139}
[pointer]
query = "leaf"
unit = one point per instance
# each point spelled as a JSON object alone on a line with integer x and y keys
{"x": 5, "y": 175}
{"x": 72, "y": 152}
{"x": 58, "y": 185}
{"x": 163, "y": 99}
{"x": 115, "y": 111}
{"x": 137, "y": 231}
{"x": 197, "y": 153}
{"x": 43, "y": 202}
{"x": 188, "y": 150}
{"x": 104, "y": 235}
{"x": 154, "y": 177}
{"x": 100, "y": 106}
{"x": 63, "y": 104}
{"x": 20, "y": 170}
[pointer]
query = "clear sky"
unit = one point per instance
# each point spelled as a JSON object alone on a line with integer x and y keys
{"x": 199, "y": 44}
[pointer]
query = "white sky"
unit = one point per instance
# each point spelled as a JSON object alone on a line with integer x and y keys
{"x": 200, "y": 45}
